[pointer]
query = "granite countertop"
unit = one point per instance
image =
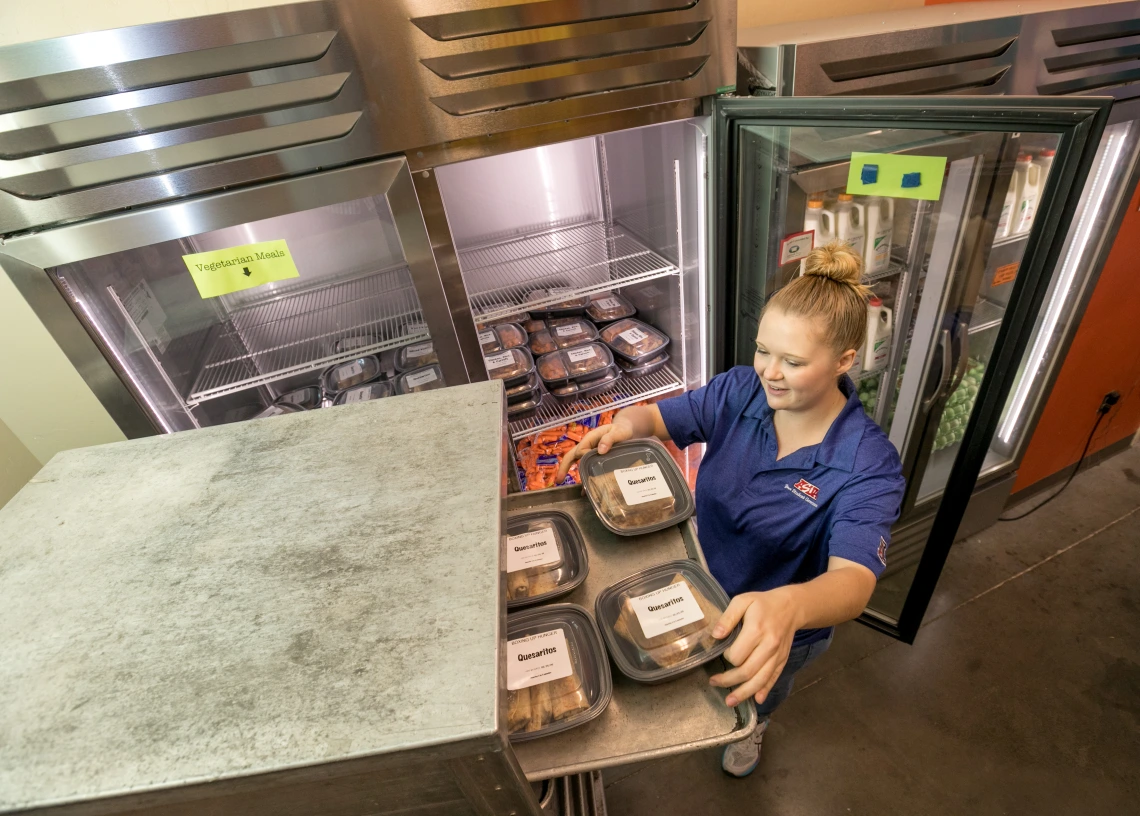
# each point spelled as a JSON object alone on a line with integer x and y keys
{"x": 271, "y": 594}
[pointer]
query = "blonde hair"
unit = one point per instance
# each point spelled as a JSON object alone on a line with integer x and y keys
{"x": 829, "y": 290}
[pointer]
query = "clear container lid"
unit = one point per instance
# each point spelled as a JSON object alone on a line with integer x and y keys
{"x": 580, "y": 389}
{"x": 512, "y": 366}
{"x": 542, "y": 343}
{"x": 416, "y": 355}
{"x": 531, "y": 326}
{"x": 427, "y": 378}
{"x": 657, "y": 623}
{"x": 369, "y": 391}
{"x": 636, "y": 487}
{"x": 277, "y": 409}
{"x": 557, "y": 673}
{"x": 581, "y": 362}
{"x": 502, "y": 336}
{"x": 634, "y": 340}
{"x": 567, "y": 332}
{"x": 525, "y": 390}
{"x": 519, "y": 317}
{"x": 354, "y": 372}
{"x": 307, "y": 397}
{"x": 545, "y": 557}
{"x": 647, "y": 366}
{"x": 525, "y": 409}
{"x": 569, "y": 303}
{"x": 608, "y": 307}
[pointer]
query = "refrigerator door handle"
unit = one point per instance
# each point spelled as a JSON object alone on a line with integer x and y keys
{"x": 962, "y": 364}
{"x": 947, "y": 371}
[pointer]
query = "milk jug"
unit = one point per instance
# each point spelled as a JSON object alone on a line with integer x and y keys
{"x": 814, "y": 220}
{"x": 1044, "y": 163}
{"x": 1027, "y": 176}
{"x": 880, "y": 321}
{"x": 1007, "y": 212}
{"x": 880, "y": 214}
{"x": 850, "y": 221}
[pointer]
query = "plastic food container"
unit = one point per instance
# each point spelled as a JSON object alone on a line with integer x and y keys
{"x": 512, "y": 366}
{"x": 657, "y": 623}
{"x": 307, "y": 397}
{"x": 569, "y": 304}
{"x": 353, "y": 342}
{"x": 527, "y": 408}
{"x": 542, "y": 343}
{"x": 277, "y": 409}
{"x": 574, "y": 390}
{"x": 579, "y": 363}
{"x": 567, "y": 332}
{"x": 514, "y": 317}
{"x": 648, "y": 366}
{"x": 416, "y": 355}
{"x": 427, "y": 378}
{"x": 355, "y": 372}
{"x": 363, "y": 393}
{"x": 545, "y": 557}
{"x": 557, "y": 673}
{"x": 502, "y": 336}
{"x": 523, "y": 392}
{"x": 609, "y": 307}
{"x": 634, "y": 340}
{"x": 636, "y": 488}
{"x": 531, "y": 326}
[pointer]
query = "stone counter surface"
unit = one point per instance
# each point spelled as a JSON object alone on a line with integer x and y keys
{"x": 271, "y": 594}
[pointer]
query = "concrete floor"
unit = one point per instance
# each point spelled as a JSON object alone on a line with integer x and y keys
{"x": 1021, "y": 694}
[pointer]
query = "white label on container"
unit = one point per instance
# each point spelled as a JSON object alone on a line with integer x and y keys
{"x": 358, "y": 395}
{"x": 503, "y": 358}
{"x": 415, "y": 328}
{"x": 579, "y": 354}
{"x": 534, "y": 549}
{"x": 641, "y": 484}
{"x": 351, "y": 370}
{"x": 537, "y": 659}
{"x": 560, "y": 291}
{"x": 420, "y": 349}
{"x": 633, "y": 336}
{"x": 421, "y": 378}
{"x": 569, "y": 330}
{"x": 487, "y": 336}
{"x": 666, "y": 609}
{"x": 607, "y": 303}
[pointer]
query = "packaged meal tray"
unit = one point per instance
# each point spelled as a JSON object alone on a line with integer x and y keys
{"x": 525, "y": 390}
{"x": 657, "y": 623}
{"x": 566, "y": 304}
{"x": 502, "y": 336}
{"x": 558, "y": 676}
{"x": 608, "y": 307}
{"x": 541, "y": 343}
{"x": 527, "y": 408}
{"x": 354, "y": 372}
{"x": 633, "y": 339}
{"x": 512, "y": 366}
{"x": 578, "y": 363}
{"x": 353, "y": 342}
{"x": 308, "y": 397}
{"x": 545, "y": 557}
{"x": 576, "y": 389}
{"x": 646, "y": 366}
{"x": 520, "y": 317}
{"x": 277, "y": 409}
{"x": 369, "y": 391}
{"x": 567, "y": 332}
{"x": 417, "y": 355}
{"x": 427, "y": 378}
{"x": 636, "y": 487}
{"x": 531, "y": 326}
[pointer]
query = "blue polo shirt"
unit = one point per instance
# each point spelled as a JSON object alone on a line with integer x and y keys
{"x": 765, "y": 523}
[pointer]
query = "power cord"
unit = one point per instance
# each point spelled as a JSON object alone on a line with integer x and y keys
{"x": 1110, "y": 399}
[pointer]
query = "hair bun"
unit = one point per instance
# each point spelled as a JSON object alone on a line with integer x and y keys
{"x": 835, "y": 261}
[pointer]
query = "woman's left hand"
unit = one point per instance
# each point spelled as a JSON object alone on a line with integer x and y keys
{"x": 770, "y": 620}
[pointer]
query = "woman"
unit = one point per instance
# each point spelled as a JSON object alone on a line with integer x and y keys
{"x": 797, "y": 490}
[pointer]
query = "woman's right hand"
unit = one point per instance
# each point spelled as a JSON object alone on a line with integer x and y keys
{"x": 602, "y": 438}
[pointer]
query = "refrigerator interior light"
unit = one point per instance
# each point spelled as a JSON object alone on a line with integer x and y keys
{"x": 1097, "y": 190}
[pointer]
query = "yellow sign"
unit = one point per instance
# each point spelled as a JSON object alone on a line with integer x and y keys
{"x": 230, "y": 270}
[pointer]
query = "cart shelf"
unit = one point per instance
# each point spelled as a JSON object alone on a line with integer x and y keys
{"x": 625, "y": 392}
{"x": 586, "y": 259}
{"x": 297, "y": 333}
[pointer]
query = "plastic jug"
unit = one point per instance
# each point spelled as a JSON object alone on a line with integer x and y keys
{"x": 1044, "y": 163}
{"x": 1015, "y": 197}
{"x": 814, "y": 219}
{"x": 1027, "y": 194}
{"x": 850, "y": 223}
{"x": 880, "y": 323}
{"x": 1007, "y": 212}
{"x": 880, "y": 213}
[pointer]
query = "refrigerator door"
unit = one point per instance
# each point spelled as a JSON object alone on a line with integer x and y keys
{"x": 922, "y": 380}
{"x": 261, "y": 300}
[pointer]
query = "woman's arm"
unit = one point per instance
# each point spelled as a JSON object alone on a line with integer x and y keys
{"x": 635, "y": 422}
{"x": 771, "y": 620}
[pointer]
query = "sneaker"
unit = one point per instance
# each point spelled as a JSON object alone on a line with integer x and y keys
{"x": 741, "y": 758}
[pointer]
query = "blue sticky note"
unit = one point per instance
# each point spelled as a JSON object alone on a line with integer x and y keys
{"x": 869, "y": 174}
{"x": 910, "y": 180}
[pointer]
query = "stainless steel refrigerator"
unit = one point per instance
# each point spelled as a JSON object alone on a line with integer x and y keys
{"x": 429, "y": 169}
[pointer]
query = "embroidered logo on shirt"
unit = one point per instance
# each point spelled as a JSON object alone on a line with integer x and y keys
{"x": 807, "y": 488}
{"x": 883, "y": 550}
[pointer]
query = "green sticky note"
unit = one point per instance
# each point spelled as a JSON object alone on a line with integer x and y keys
{"x": 896, "y": 176}
{"x": 223, "y": 271}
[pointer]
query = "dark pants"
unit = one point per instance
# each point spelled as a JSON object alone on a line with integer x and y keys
{"x": 798, "y": 658}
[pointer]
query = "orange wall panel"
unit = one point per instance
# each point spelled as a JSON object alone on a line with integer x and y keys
{"x": 1105, "y": 356}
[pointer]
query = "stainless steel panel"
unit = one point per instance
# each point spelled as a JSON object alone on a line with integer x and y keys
{"x": 254, "y": 95}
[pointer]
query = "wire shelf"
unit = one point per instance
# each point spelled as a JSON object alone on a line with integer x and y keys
{"x": 583, "y": 258}
{"x": 893, "y": 268}
{"x": 627, "y": 391}
{"x": 987, "y": 315}
{"x": 299, "y": 333}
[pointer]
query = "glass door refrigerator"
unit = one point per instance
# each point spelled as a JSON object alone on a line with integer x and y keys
{"x": 938, "y": 373}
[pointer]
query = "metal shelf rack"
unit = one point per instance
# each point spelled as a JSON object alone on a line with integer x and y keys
{"x": 584, "y": 259}
{"x": 625, "y": 392}
{"x": 987, "y": 315}
{"x": 298, "y": 333}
